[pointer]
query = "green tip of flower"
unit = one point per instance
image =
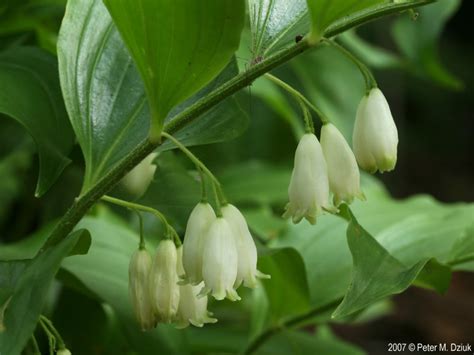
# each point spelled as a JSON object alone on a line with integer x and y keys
{"x": 232, "y": 295}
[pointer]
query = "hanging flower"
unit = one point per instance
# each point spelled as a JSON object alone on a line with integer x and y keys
{"x": 375, "y": 136}
{"x": 164, "y": 282}
{"x": 246, "y": 250}
{"x": 219, "y": 263}
{"x": 63, "y": 351}
{"x": 138, "y": 285}
{"x": 343, "y": 172}
{"x": 191, "y": 309}
{"x": 309, "y": 186}
{"x": 198, "y": 224}
{"x": 140, "y": 177}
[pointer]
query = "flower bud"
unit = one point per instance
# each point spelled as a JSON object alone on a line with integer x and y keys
{"x": 219, "y": 263}
{"x": 375, "y": 136}
{"x": 198, "y": 224}
{"x": 191, "y": 309}
{"x": 309, "y": 186}
{"x": 343, "y": 172}
{"x": 140, "y": 177}
{"x": 246, "y": 250}
{"x": 63, "y": 351}
{"x": 138, "y": 286}
{"x": 164, "y": 282}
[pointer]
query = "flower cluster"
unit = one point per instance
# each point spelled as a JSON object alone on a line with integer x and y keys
{"x": 218, "y": 255}
{"x": 219, "y": 252}
{"x": 155, "y": 291}
{"x": 331, "y": 166}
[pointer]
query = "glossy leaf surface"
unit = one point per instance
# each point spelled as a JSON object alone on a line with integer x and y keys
{"x": 179, "y": 46}
{"x": 31, "y": 95}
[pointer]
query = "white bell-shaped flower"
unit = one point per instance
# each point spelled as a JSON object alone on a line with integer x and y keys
{"x": 196, "y": 230}
{"x": 343, "y": 172}
{"x": 164, "y": 282}
{"x": 309, "y": 186}
{"x": 140, "y": 177}
{"x": 246, "y": 250}
{"x": 192, "y": 309}
{"x": 138, "y": 285}
{"x": 375, "y": 136}
{"x": 219, "y": 263}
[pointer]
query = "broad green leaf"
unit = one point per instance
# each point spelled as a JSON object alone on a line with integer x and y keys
{"x": 25, "y": 248}
{"x": 31, "y": 95}
{"x": 179, "y": 46}
{"x": 109, "y": 111}
{"x": 225, "y": 121}
{"x": 329, "y": 18}
{"x": 325, "y": 12}
{"x": 102, "y": 90}
{"x": 376, "y": 274}
{"x": 418, "y": 40}
{"x": 275, "y": 24}
{"x": 287, "y": 291}
{"x": 461, "y": 256}
{"x": 412, "y": 230}
{"x": 302, "y": 343}
{"x": 24, "y": 286}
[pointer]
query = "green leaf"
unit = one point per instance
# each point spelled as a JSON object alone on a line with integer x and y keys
{"x": 302, "y": 342}
{"x": 179, "y": 46}
{"x": 418, "y": 40}
{"x": 24, "y": 286}
{"x": 376, "y": 273}
{"x": 326, "y": 12}
{"x": 330, "y": 18}
{"x": 109, "y": 112}
{"x": 31, "y": 95}
{"x": 225, "y": 121}
{"x": 461, "y": 256}
{"x": 275, "y": 24}
{"x": 412, "y": 230}
{"x": 287, "y": 291}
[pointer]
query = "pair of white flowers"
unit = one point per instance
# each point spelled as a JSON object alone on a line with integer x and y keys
{"x": 332, "y": 166}
{"x": 156, "y": 294}
{"x": 219, "y": 252}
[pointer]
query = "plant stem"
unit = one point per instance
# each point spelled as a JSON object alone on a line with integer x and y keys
{"x": 293, "y": 322}
{"x": 299, "y": 96}
{"x": 80, "y": 207}
{"x": 370, "y": 81}
{"x": 35, "y": 345}
{"x": 203, "y": 185}
{"x": 220, "y": 198}
{"x": 142, "y": 244}
{"x": 138, "y": 207}
{"x": 53, "y": 330}
{"x": 199, "y": 164}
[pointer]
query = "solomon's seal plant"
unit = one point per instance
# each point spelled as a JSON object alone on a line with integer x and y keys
{"x": 134, "y": 86}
